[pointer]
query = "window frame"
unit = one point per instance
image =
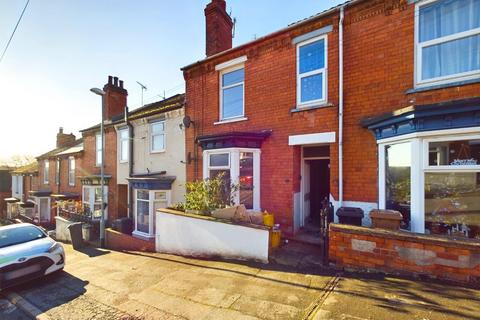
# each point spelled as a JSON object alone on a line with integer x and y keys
{"x": 221, "y": 88}
{"x": 57, "y": 172}
{"x": 323, "y": 71}
{"x": 121, "y": 140}
{"x": 419, "y": 82}
{"x": 234, "y": 167}
{"x": 98, "y": 149}
{"x": 71, "y": 182}
{"x": 46, "y": 171}
{"x": 90, "y": 189}
{"x": 151, "y": 210}
{"x": 419, "y": 167}
{"x": 152, "y": 134}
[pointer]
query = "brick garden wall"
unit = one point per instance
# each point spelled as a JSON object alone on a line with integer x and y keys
{"x": 404, "y": 253}
{"x": 378, "y": 68}
{"x": 119, "y": 241}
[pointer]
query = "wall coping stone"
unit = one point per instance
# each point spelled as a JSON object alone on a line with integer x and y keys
{"x": 212, "y": 219}
{"x": 408, "y": 236}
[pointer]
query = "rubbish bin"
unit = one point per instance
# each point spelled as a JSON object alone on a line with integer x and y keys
{"x": 350, "y": 215}
{"x": 123, "y": 225}
{"x": 87, "y": 231}
{"x": 76, "y": 235}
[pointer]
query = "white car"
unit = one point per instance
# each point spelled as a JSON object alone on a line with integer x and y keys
{"x": 26, "y": 253}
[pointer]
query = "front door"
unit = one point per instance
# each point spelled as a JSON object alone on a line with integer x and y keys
{"x": 44, "y": 209}
{"x": 319, "y": 189}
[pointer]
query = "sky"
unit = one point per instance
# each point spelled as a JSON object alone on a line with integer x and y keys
{"x": 62, "y": 48}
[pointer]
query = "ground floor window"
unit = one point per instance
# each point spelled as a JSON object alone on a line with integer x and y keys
{"x": 146, "y": 204}
{"x": 433, "y": 179}
{"x": 239, "y": 167}
{"x": 92, "y": 200}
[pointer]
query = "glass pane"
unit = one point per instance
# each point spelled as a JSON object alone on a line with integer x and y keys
{"x": 99, "y": 157}
{"x": 233, "y": 77}
{"x": 312, "y": 88}
{"x": 99, "y": 142}
{"x": 143, "y": 216}
{"x": 451, "y": 57}
{"x": 246, "y": 179}
{"x": 158, "y": 127}
{"x": 446, "y": 17}
{"x": 312, "y": 56}
{"x": 452, "y": 203}
{"x": 448, "y": 153}
{"x": 219, "y": 160}
{"x": 98, "y": 195}
{"x": 226, "y": 185}
{"x": 124, "y": 134}
{"x": 158, "y": 142}
{"x": 72, "y": 164}
{"x": 232, "y": 102}
{"x": 397, "y": 178}
{"x": 161, "y": 196}
{"x": 124, "y": 150}
{"x": 143, "y": 194}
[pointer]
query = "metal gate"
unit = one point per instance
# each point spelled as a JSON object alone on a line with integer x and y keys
{"x": 326, "y": 217}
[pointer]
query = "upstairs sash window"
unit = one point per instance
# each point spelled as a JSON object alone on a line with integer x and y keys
{"x": 448, "y": 45}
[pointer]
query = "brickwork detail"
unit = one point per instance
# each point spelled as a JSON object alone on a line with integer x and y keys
{"x": 404, "y": 253}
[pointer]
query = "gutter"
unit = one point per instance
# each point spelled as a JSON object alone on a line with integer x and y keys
{"x": 131, "y": 135}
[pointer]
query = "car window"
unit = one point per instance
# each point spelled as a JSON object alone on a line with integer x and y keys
{"x": 12, "y": 236}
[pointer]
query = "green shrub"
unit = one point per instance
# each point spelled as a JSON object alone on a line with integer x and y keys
{"x": 210, "y": 194}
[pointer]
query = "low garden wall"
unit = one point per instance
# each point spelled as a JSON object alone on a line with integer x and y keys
{"x": 204, "y": 236}
{"x": 404, "y": 253}
{"x": 120, "y": 241}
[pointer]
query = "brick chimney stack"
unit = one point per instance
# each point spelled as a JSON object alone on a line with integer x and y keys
{"x": 63, "y": 139}
{"x": 115, "y": 98}
{"x": 219, "y": 26}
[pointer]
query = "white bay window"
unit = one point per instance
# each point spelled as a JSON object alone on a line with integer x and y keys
{"x": 92, "y": 200}
{"x": 434, "y": 178}
{"x": 146, "y": 204}
{"x": 240, "y": 167}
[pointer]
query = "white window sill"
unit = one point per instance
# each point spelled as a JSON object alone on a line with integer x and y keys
{"x": 159, "y": 151}
{"x": 141, "y": 235}
{"x": 300, "y": 108}
{"x": 231, "y": 120}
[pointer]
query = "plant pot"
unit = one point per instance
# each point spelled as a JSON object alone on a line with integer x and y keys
{"x": 386, "y": 219}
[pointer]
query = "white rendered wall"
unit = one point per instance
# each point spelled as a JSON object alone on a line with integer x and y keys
{"x": 169, "y": 160}
{"x": 184, "y": 235}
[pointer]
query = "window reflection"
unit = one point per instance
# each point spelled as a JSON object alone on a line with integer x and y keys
{"x": 397, "y": 179}
{"x": 246, "y": 179}
{"x": 447, "y": 153}
{"x": 452, "y": 203}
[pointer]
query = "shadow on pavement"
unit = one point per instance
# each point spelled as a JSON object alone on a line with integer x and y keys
{"x": 52, "y": 290}
{"x": 92, "y": 251}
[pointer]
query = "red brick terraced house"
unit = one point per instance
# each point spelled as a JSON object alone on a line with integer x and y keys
{"x": 116, "y": 195}
{"x": 58, "y": 177}
{"x": 370, "y": 104}
{"x": 24, "y": 179}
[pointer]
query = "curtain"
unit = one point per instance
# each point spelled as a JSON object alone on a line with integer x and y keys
{"x": 444, "y": 18}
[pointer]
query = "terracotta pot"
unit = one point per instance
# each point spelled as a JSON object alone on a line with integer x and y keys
{"x": 386, "y": 219}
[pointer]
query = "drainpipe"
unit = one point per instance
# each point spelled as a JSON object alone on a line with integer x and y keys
{"x": 340, "y": 108}
{"x": 130, "y": 162}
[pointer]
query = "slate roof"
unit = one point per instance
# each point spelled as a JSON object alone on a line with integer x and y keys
{"x": 27, "y": 169}
{"x": 58, "y": 151}
{"x": 172, "y": 103}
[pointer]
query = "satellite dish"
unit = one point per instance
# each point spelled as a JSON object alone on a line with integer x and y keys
{"x": 187, "y": 121}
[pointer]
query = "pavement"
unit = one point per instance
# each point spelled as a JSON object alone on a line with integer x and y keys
{"x": 102, "y": 284}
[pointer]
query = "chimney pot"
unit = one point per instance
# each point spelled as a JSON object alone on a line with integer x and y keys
{"x": 110, "y": 80}
{"x": 121, "y": 84}
{"x": 115, "y": 81}
{"x": 60, "y": 130}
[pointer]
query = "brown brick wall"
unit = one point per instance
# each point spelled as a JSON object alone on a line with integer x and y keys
{"x": 115, "y": 240}
{"x": 117, "y": 195}
{"x": 404, "y": 253}
{"x": 378, "y": 70}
